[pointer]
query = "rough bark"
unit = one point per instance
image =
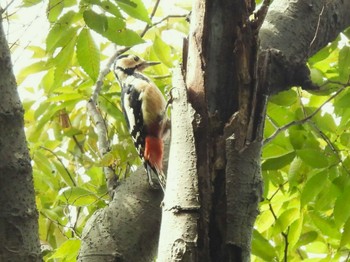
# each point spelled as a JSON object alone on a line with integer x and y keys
{"x": 19, "y": 238}
{"x": 295, "y": 30}
{"x": 128, "y": 229}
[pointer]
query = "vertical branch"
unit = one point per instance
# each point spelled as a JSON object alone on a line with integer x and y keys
{"x": 179, "y": 230}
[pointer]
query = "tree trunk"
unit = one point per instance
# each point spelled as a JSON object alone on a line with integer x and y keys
{"x": 229, "y": 76}
{"x": 19, "y": 240}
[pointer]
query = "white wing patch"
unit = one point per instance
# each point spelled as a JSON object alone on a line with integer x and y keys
{"x": 129, "y": 112}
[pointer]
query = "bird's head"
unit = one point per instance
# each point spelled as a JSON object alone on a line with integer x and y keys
{"x": 129, "y": 64}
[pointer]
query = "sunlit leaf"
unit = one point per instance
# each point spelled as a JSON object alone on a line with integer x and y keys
{"x": 286, "y": 219}
{"x": 124, "y": 37}
{"x": 342, "y": 207}
{"x": 163, "y": 51}
{"x": 54, "y": 9}
{"x": 59, "y": 31}
{"x": 262, "y": 248}
{"x": 135, "y": 8}
{"x": 294, "y": 231}
{"x": 28, "y": 3}
{"x": 345, "y": 237}
{"x": 88, "y": 54}
{"x": 31, "y": 69}
{"x": 96, "y": 22}
{"x": 78, "y": 196}
{"x": 68, "y": 251}
{"x": 307, "y": 238}
{"x": 313, "y": 187}
{"x": 62, "y": 60}
{"x": 344, "y": 64}
{"x": 285, "y": 98}
{"x": 65, "y": 97}
{"x": 325, "y": 224}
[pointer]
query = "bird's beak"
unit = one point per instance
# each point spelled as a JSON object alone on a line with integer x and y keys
{"x": 151, "y": 63}
{"x": 147, "y": 64}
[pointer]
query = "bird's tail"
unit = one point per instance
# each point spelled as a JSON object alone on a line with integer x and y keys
{"x": 153, "y": 157}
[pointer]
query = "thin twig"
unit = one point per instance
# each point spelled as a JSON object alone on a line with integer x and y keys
{"x": 302, "y": 121}
{"x": 167, "y": 18}
{"x": 3, "y": 10}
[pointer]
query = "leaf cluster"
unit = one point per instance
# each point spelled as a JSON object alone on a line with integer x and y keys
{"x": 305, "y": 214}
{"x": 67, "y": 164}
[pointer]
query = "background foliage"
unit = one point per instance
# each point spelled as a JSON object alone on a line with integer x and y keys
{"x": 305, "y": 214}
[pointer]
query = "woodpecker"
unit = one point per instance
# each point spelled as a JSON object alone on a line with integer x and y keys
{"x": 144, "y": 109}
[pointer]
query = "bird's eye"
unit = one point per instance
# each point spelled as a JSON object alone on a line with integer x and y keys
{"x": 136, "y": 58}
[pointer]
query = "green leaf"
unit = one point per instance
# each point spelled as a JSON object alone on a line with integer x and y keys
{"x": 312, "y": 157}
{"x": 124, "y": 37}
{"x": 262, "y": 248}
{"x": 285, "y": 98}
{"x": 54, "y": 9}
{"x": 324, "y": 224}
{"x": 38, "y": 52}
{"x": 307, "y": 238}
{"x": 343, "y": 101}
{"x": 286, "y": 219}
{"x": 344, "y": 64}
{"x": 107, "y": 6}
{"x": 135, "y": 8}
{"x": 88, "y": 54}
{"x": 59, "y": 31}
{"x": 345, "y": 237}
{"x": 295, "y": 173}
{"x": 326, "y": 122}
{"x": 112, "y": 28}
{"x": 345, "y": 139}
{"x": 163, "y": 51}
{"x": 62, "y": 62}
{"x": 313, "y": 187}
{"x": 342, "y": 207}
{"x": 297, "y": 138}
{"x": 28, "y": 3}
{"x": 66, "y": 97}
{"x": 31, "y": 69}
{"x": 68, "y": 251}
{"x": 278, "y": 162}
{"x": 78, "y": 196}
{"x": 294, "y": 231}
{"x": 96, "y": 22}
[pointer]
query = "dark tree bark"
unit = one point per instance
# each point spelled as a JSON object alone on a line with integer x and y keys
{"x": 19, "y": 235}
{"x": 229, "y": 75}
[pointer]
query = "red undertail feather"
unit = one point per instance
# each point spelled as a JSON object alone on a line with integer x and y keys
{"x": 154, "y": 152}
